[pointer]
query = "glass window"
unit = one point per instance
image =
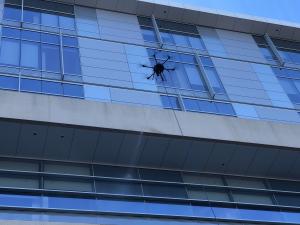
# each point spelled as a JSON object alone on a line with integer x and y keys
{"x": 115, "y": 171}
{"x": 194, "y": 77}
{"x": 284, "y": 185}
{"x": 67, "y": 22}
{"x": 31, "y": 36}
{"x": 31, "y": 16}
{"x": 225, "y": 109}
{"x": 69, "y": 41}
{"x": 30, "y": 55}
{"x": 191, "y": 105}
{"x": 11, "y": 32}
{"x": 71, "y": 61}
{"x": 10, "y": 52}
{"x": 20, "y": 200}
{"x": 167, "y": 38}
{"x": 194, "y": 178}
{"x": 288, "y": 199}
{"x": 68, "y": 185}
{"x": 115, "y": 187}
{"x": 170, "y": 102}
{"x": 160, "y": 175}
{"x": 73, "y": 90}
{"x": 49, "y": 20}
{"x": 19, "y": 181}
{"x": 67, "y": 168}
{"x": 19, "y": 165}
{"x": 50, "y": 58}
{"x": 50, "y": 38}
{"x": 12, "y": 13}
{"x": 206, "y": 106}
{"x": 217, "y": 195}
{"x": 181, "y": 40}
{"x": 162, "y": 190}
{"x": 11, "y": 83}
{"x": 149, "y": 34}
{"x": 197, "y": 43}
{"x": 31, "y": 85}
{"x": 245, "y": 182}
{"x": 206, "y": 61}
{"x": 70, "y": 203}
{"x": 214, "y": 80}
{"x": 52, "y": 88}
{"x": 290, "y": 88}
{"x": 254, "y": 197}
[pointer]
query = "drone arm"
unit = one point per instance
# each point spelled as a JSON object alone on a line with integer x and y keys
{"x": 146, "y": 66}
{"x": 166, "y": 60}
{"x": 155, "y": 58}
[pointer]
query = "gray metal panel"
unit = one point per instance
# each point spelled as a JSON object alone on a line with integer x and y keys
{"x": 176, "y": 153}
{"x": 198, "y": 155}
{"x": 154, "y": 151}
{"x": 108, "y": 146}
{"x": 32, "y": 140}
{"x": 58, "y": 143}
{"x": 9, "y": 137}
{"x": 84, "y": 144}
{"x": 220, "y": 157}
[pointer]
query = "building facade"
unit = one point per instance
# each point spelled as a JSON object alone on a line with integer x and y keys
{"x": 89, "y": 137}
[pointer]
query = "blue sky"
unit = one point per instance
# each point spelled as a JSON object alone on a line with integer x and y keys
{"x": 286, "y": 10}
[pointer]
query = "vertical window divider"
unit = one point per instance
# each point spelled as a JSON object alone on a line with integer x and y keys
{"x": 22, "y": 13}
{"x": 156, "y": 29}
{"x": 61, "y": 55}
{"x": 205, "y": 77}
{"x": 181, "y": 103}
{"x": 274, "y": 49}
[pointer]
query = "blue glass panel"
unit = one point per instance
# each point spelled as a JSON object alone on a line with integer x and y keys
{"x": 191, "y": 104}
{"x": 31, "y": 16}
{"x": 30, "y": 35}
{"x": 50, "y": 58}
{"x": 206, "y": 106}
{"x": 197, "y": 43}
{"x": 226, "y": 213}
{"x": 260, "y": 215}
{"x": 187, "y": 58}
{"x": 70, "y": 41}
{"x": 50, "y": 38}
{"x": 10, "y": 32}
{"x": 11, "y": 83}
{"x": 71, "y": 61}
{"x": 149, "y": 34}
{"x": 109, "y": 205}
{"x": 181, "y": 40}
{"x": 194, "y": 77}
{"x": 31, "y": 85}
{"x": 172, "y": 209}
{"x": 49, "y": 20}
{"x": 214, "y": 80}
{"x": 225, "y": 108}
{"x": 10, "y": 52}
{"x": 206, "y": 61}
{"x": 167, "y": 38}
{"x": 66, "y": 22}
{"x": 31, "y": 55}
{"x": 203, "y": 211}
{"x": 20, "y": 200}
{"x": 52, "y": 88}
{"x": 291, "y": 217}
{"x": 70, "y": 203}
{"x": 174, "y": 102}
{"x": 165, "y": 102}
{"x": 12, "y": 13}
{"x": 73, "y": 90}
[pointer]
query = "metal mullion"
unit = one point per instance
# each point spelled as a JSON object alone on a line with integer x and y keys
{"x": 274, "y": 49}
{"x": 61, "y": 55}
{"x": 22, "y": 13}
{"x": 205, "y": 77}
{"x": 156, "y": 29}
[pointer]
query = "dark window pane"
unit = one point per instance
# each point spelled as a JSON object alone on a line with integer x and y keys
{"x": 288, "y": 200}
{"x": 10, "y": 52}
{"x": 31, "y": 85}
{"x": 52, "y": 88}
{"x": 177, "y": 26}
{"x": 115, "y": 171}
{"x": 149, "y": 34}
{"x": 170, "y": 102}
{"x": 206, "y": 106}
{"x": 48, "y": 5}
{"x": 30, "y": 35}
{"x": 70, "y": 41}
{"x": 225, "y": 108}
{"x": 159, "y": 190}
{"x": 145, "y": 21}
{"x": 10, "y": 32}
{"x": 114, "y": 187}
{"x": 31, "y": 16}
{"x": 12, "y": 13}
{"x": 71, "y": 61}
{"x": 73, "y": 90}
{"x": 50, "y": 58}
{"x": 161, "y": 175}
{"x": 285, "y": 185}
{"x": 9, "y": 83}
{"x": 50, "y": 38}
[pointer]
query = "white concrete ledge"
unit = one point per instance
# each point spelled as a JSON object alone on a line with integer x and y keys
{"x": 62, "y": 110}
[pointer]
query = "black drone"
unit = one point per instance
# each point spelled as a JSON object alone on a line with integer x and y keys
{"x": 159, "y": 68}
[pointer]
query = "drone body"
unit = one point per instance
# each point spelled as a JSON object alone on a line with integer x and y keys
{"x": 159, "y": 69}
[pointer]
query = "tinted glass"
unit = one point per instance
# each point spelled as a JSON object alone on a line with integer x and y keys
{"x": 12, "y": 13}
{"x": 67, "y": 22}
{"x": 206, "y": 106}
{"x": 11, "y": 83}
{"x": 70, "y": 41}
{"x": 160, "y": 190}
{"x": 161, "y": 175}
{"x": 50, "y": 38}
{"x": 114, "y": 171}
{"x": 191, "y": 104}
{"x": 52, "y": 88}
{"x": 225, "y": 109}
{"x": 50, "y": 58}
{"x": 149, "y": 35}
{"x": 31, "y": 36}
{"x": 10, "y": 32}
{"x": 114, "y": 187}
{"x": 284, "y": 185}
{"x": 10, "y": 52}
{"x": 71, "y": 60}
{"x": 30, "y": 55}
{"x": 73, "y": 90}
{"x": 31, "y": 85}
{"x": 49, "y": 20}
{"x": 31, "y": 16}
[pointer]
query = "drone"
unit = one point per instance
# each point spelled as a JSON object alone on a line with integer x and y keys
{"x": 159, "y": 68}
